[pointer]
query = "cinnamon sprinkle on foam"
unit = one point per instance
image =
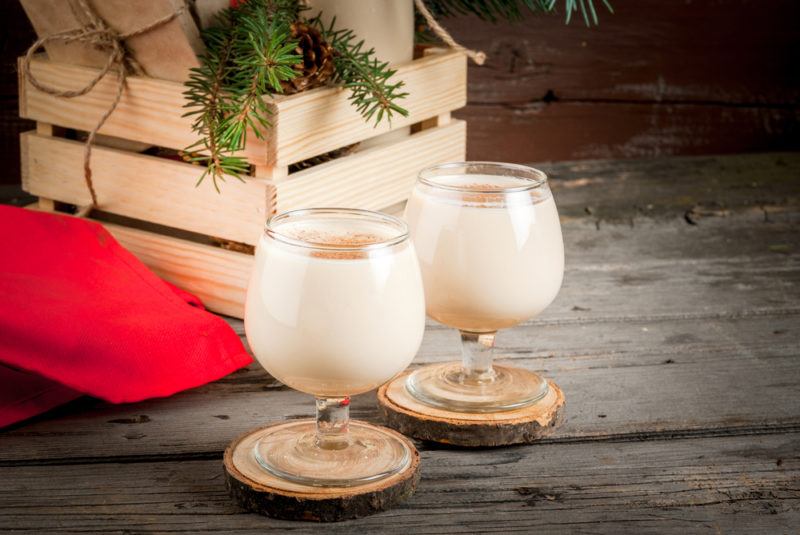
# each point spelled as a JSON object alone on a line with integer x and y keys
{"x": 344, "y": 241}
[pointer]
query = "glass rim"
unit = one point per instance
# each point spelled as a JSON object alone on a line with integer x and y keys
{"x": 369, "y": 215}
{"x": 536, "y": 177}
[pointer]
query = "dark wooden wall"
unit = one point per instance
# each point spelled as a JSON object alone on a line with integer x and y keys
{"x": 659, "y": 77}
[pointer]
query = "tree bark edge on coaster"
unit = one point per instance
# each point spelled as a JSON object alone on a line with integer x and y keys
{"x": 312, "y": 504}
{"x": 520, "y": 426}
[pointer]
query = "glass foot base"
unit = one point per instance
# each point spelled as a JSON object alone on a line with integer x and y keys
{"x": 290, "y": 451}
{"x": 446, "y": 386}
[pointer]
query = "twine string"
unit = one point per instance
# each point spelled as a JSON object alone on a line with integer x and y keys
{"x": 99, "y": 34}
{"x": 477, "y": 56}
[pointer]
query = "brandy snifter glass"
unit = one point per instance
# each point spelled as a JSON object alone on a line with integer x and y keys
{"x": 335, "y": 307}
{"x": 489, "y": 244}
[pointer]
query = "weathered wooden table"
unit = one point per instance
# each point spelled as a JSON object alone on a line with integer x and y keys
{"x": 676, "y": 338}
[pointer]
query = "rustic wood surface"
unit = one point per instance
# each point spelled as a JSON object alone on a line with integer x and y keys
{"x": 675, "y": 339}
{"x": 656, "y": 78}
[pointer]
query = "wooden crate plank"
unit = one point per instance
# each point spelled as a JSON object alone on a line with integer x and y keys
{"x": 147, "y": 188}
{"x": 217, "y": 276}
{"x": 376, "y": 177}
{"x": 686, "y": 377}
{"x": 150, "y": 110}
{"x": 306, "y": 124}
{"x": 723, "y": 484}
{"x": 320, "y": 120}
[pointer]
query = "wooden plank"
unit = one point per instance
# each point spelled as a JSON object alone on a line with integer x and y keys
{"x": 723, "y": 485}
{"x": 581, "y": 130}
{"x": 664, "y": 189}
{"x": 217, "y": 276}
{"x": 687, "y": 377}
{"x": 376, "y": 177}
{"x": 150, "y": 110}
{"x": 317, "y": 121}
{"x": 305, "y": 125}
{"x": 647, "y": 50}
{"x": 147, "y": 188}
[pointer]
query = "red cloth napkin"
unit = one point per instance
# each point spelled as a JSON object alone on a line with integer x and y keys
{"x": 79, "y": 314}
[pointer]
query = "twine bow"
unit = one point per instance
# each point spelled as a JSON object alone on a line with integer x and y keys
{"x": 98, "y": 33}
{"x": 475, "y": 55}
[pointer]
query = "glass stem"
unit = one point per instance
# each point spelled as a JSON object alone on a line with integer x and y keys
{"x": 333, "y": 420}
{"x": 476, "y": 350}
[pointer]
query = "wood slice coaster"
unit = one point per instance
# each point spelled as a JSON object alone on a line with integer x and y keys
{"x": 519, "y": 426}
{"x": 255, "y": 489}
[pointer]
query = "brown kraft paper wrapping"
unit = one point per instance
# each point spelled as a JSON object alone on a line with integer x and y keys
{"x": 166, "y": 52}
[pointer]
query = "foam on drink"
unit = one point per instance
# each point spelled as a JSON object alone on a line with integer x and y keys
{"x": 340, "y": 315}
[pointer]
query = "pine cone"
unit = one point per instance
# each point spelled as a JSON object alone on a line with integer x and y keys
{"x": 317, "y": 65}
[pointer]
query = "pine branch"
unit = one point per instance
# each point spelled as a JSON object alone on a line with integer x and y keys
{"x": 247, "y": 56}
{"x": 367, "y": 78}
{"x": 514, "y": 10}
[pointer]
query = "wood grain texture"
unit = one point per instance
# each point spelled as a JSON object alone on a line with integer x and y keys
{"x": 317, "y": 121}
{"x": 146, "y": 188}
{"x": 374, "y": 178}
{"x": 304, "y": 125}
{"x": 525, "y": 425}
{"x": 217, "y": 276}
{"x": 723, "y": 485}
{"x": 553, "y": 131}
{"x": 654, "y": 79}
{"x": 705, "y": 51}
{"x": 675, "y": 339}
{"x": 155, "y": 189}
{"x": 650, "y": 304}
{"x": 624, "y": 380}
{"x": 150, "y": 110}
{"x": 254, "y": 489}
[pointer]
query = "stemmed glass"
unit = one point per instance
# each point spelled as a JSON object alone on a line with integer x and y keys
{"x": 489, "y": 244}
{"x": 335, "y": 307}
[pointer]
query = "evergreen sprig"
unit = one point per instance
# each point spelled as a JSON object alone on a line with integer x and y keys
{"x": 367, "y": 78}
{"x": 513, "y": 10}
{"x": 249, "y": 52}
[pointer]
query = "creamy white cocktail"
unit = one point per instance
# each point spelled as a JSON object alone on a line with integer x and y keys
{"x": 490, "y": 260}
{"x": 335, "y": 307}
{"x": 334, "y": 322}
{"x": 489, "y": 243}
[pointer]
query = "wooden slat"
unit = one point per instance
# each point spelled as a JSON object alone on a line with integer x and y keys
{"x": 305, "y": 125}
{"x": 540, "y": 131}
{"x": 165, "y": 192}
{"x": 150, "y": 110}
{"x": 715, "y": 485}
{"x": 320, "y": 120}
{"x": 376, "y": 177}
{"x": 147, "y": 188}
{"x": 217, "y": 276}
{"x": 627, "y": 60}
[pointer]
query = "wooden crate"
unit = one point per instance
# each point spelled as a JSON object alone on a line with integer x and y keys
{"x": 156, "y": 190}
